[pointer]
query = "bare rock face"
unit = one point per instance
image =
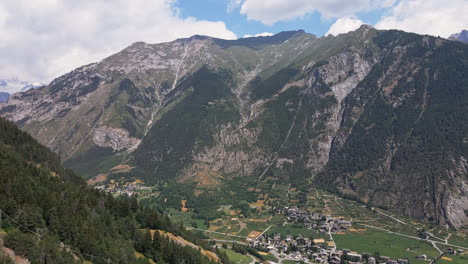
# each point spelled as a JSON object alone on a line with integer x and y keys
{"x": 457, "y": 199}
{"x": 15, "y": 258}
{"x": 116, "y": 138}
{"x": 343, "y": 73}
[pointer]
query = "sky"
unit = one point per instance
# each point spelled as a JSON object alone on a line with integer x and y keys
{"x": 43, "y": 39}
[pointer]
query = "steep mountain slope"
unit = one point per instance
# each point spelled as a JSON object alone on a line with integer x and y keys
{"x": 355, "y": 113}
{"x": 51, "y": 216}
{"x": 407, "y": 149}
{"x": 107, "y": 108}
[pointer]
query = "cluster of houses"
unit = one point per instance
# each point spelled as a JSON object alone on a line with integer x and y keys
{"x": 315, "y": 221}
{"x": 453, "y": 251}
{"x": 449, "y": 251}
{"x": 297, "y": 248}
{"x": 128, "y": 189}
{"x": 300, "y": 248}
{"x": 356, "y": 258}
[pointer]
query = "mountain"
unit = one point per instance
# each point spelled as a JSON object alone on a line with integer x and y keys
{"x": 462, "y": 36}
{"x": 4, "y": 97}
{"x": 377, "y": 116}
{"x": 14, "y": 85}
{"x": 49, "y": 215}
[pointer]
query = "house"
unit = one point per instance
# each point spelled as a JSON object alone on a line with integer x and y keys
{"x": 323, "y": 254}
{"x": 384, "y": 258}
{"x": 354, "y": 256}
{"x": 335, "y": 260}
{"x": 366, "y": 254}
{"x": 345, "y": 223}
{"x": 277, "y": 237}
{"x": 319, "y": 241}
{"x": 423, "y": 257}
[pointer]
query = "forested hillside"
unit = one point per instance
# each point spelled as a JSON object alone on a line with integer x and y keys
{"x": 49, "y": 215}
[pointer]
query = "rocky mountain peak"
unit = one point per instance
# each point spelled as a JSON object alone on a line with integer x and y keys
{"x": 462, "y": 36}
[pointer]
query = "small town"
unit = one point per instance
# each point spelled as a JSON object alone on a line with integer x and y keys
{"x": 302, "y": 249}
{"x": 128, "y": 188}
{"x": 309, "y": 250}
{"x": 316, "y": 221}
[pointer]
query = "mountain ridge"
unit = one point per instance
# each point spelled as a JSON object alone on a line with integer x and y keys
{"x": 196, "y": 111}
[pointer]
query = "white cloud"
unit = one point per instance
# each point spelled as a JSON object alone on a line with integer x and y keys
{"x": 233, "y": 5}
{"x": 344, "y": 25}
{"x": 272, "y": 11}
{"x": 264, "y": 34}
{"x": 42, "y": 39}
{"x": 434, "y": 17}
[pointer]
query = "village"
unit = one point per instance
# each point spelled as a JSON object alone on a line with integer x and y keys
{"x": 129, "y": 188}
{"x": 305, "y": 250}
{"x": 318, "y": 250}
{"x": 302, "y": 249}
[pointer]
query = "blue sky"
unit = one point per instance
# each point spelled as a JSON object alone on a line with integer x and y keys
{"x": 43, "y": 39}
{"x": 217, "y": 10}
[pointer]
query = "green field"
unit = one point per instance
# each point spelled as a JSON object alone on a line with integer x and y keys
{"x": 293, "y": 230}
{"x": 454, "y": 259}
{"x": 237, "y": 257}
{"x": 386, "y": 244}
{"x": 290, "y": 262}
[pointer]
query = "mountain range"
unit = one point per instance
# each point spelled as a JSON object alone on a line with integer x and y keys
{"x": 15, "y": 85}
{"x": 376, "y": 116}
{"x": 462, "y": 36}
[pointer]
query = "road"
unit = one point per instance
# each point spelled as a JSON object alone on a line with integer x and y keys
{"x": 263, "y": 232}
{"x": 214, "y": 232}
{"x": 329, "y": 227}
{"x": 228, "y": 241}
{"x": 404, "y": 223}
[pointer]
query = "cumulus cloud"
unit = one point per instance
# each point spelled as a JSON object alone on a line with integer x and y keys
{"x": 42, "y": 39}
{"x": 264, "y": 34}
{"x": 344, "y": 25}
{"x": 272, "y": 11}
{"x": 432, "y": 17}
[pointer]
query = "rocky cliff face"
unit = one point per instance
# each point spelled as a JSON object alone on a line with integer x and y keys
{"x": 355, "y": 113}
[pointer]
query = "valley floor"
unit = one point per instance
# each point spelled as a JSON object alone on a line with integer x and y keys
{"x": 282, "y": 224}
